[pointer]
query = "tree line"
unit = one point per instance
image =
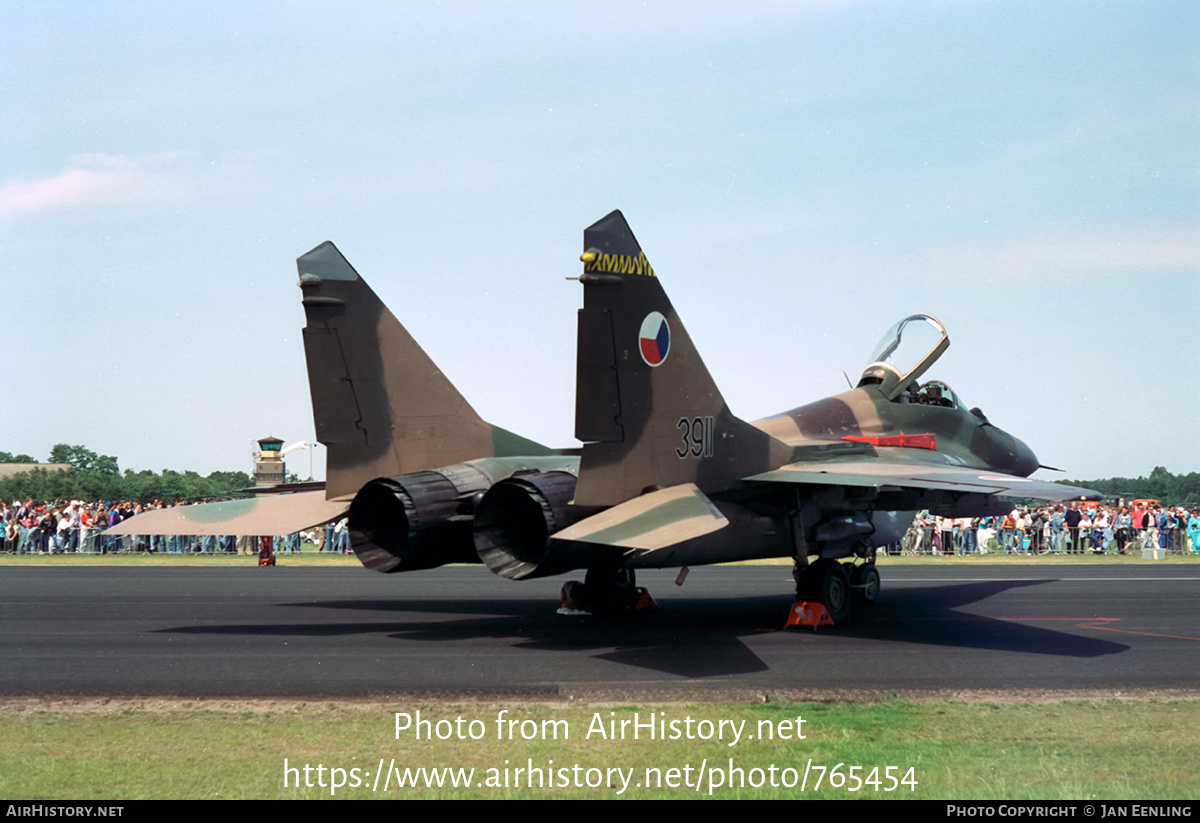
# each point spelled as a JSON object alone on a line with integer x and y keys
{"x": 1173, "y": 489}
{"x": 98, "y": 477}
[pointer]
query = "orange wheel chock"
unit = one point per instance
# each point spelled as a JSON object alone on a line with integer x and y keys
{"x": 804, "y": 613}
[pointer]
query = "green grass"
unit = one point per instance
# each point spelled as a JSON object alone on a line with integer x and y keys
{"x": 1115, "y": 750}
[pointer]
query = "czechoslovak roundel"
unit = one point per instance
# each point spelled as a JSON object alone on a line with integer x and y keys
{"x": 654, "y": 342}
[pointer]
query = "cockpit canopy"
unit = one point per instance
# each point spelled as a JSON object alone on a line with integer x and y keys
{"x": 906, "y": 352}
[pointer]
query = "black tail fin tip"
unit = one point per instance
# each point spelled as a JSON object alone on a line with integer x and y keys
{"x": 325, "y": 262}
{"x": 611, "y": 249}
{"x": 611, "y": 235}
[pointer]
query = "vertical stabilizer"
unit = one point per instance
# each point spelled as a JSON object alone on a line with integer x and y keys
{"x": 381, "y": 406}
{"x": 646, "y": 406}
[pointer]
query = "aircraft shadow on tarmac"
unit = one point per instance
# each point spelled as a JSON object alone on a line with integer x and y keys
{"x": 698, "y": 638}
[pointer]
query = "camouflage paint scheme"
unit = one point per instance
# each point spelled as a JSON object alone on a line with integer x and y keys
{"x": 381, "y": 405}
{"x": 401, "y": 439}
{"x": 267, "y": 515}
{"x": 667, "y": 476}
{"x": 682, "y": 481}
{"x": 403, "y": 445}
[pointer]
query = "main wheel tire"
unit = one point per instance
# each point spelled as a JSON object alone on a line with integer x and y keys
{"x": 826, "y": 581}
{"x": 610, "y": 591}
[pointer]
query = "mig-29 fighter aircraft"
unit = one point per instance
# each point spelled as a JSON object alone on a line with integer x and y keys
{"x": 668, "y": 476}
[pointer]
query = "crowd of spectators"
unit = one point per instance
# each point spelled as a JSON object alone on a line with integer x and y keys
{"x": 32, "y": 527}
{"x": 1075, "y": 528}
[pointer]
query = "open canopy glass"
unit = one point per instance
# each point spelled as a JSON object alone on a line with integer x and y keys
{"x": 906, "y": 352}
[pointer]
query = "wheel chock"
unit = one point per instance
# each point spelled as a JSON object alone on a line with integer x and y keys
{"x": 568, "y": 606}
{"x": 644, "y": 601}
{"x": 266, "y": 554}
{"x": 804, "y": 613}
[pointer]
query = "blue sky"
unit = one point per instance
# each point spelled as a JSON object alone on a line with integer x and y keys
{"x": 799, "y": 174}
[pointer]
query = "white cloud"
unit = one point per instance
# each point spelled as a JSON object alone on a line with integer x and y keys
{"x": 1071, "y": 254}
{"x": 94, "y": 180}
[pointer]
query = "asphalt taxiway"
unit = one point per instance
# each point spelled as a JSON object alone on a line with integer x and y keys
{"x": 312, "y": 632}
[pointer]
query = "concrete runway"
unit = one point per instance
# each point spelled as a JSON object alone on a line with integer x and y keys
{"x": 305, "y": 632}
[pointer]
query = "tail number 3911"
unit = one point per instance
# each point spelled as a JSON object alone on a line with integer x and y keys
{"x": 697, "y": 434}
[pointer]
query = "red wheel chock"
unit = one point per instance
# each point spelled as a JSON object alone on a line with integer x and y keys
{"x": 266, "y": 554}
{"x": 804, "y": 613}
{"x": 644, "y": 601}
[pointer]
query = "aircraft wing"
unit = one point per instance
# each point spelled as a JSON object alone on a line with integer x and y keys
{"x": 670, "y": 516}
{"x": 929, "y": 476}
{"x": 256, "y": 516}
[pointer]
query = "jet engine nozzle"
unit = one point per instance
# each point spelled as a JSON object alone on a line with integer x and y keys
{"x": 416, "y": 521}
{"x": 515, "y": 520}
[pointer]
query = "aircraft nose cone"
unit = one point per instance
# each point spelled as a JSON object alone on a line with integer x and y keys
{"x": 1025, "y": 461}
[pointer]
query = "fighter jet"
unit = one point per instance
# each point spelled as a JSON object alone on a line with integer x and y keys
{"x": 667, "y": 476}
{"x": 670, "y": 477}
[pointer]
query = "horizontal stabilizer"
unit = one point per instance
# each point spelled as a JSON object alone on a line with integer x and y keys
{"x": 652, "y": 521}
{"x": 256, "y": 517}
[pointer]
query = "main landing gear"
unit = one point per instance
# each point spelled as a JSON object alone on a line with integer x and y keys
{"x": 837, "y": 585}
{"x": 605, "y": 592}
